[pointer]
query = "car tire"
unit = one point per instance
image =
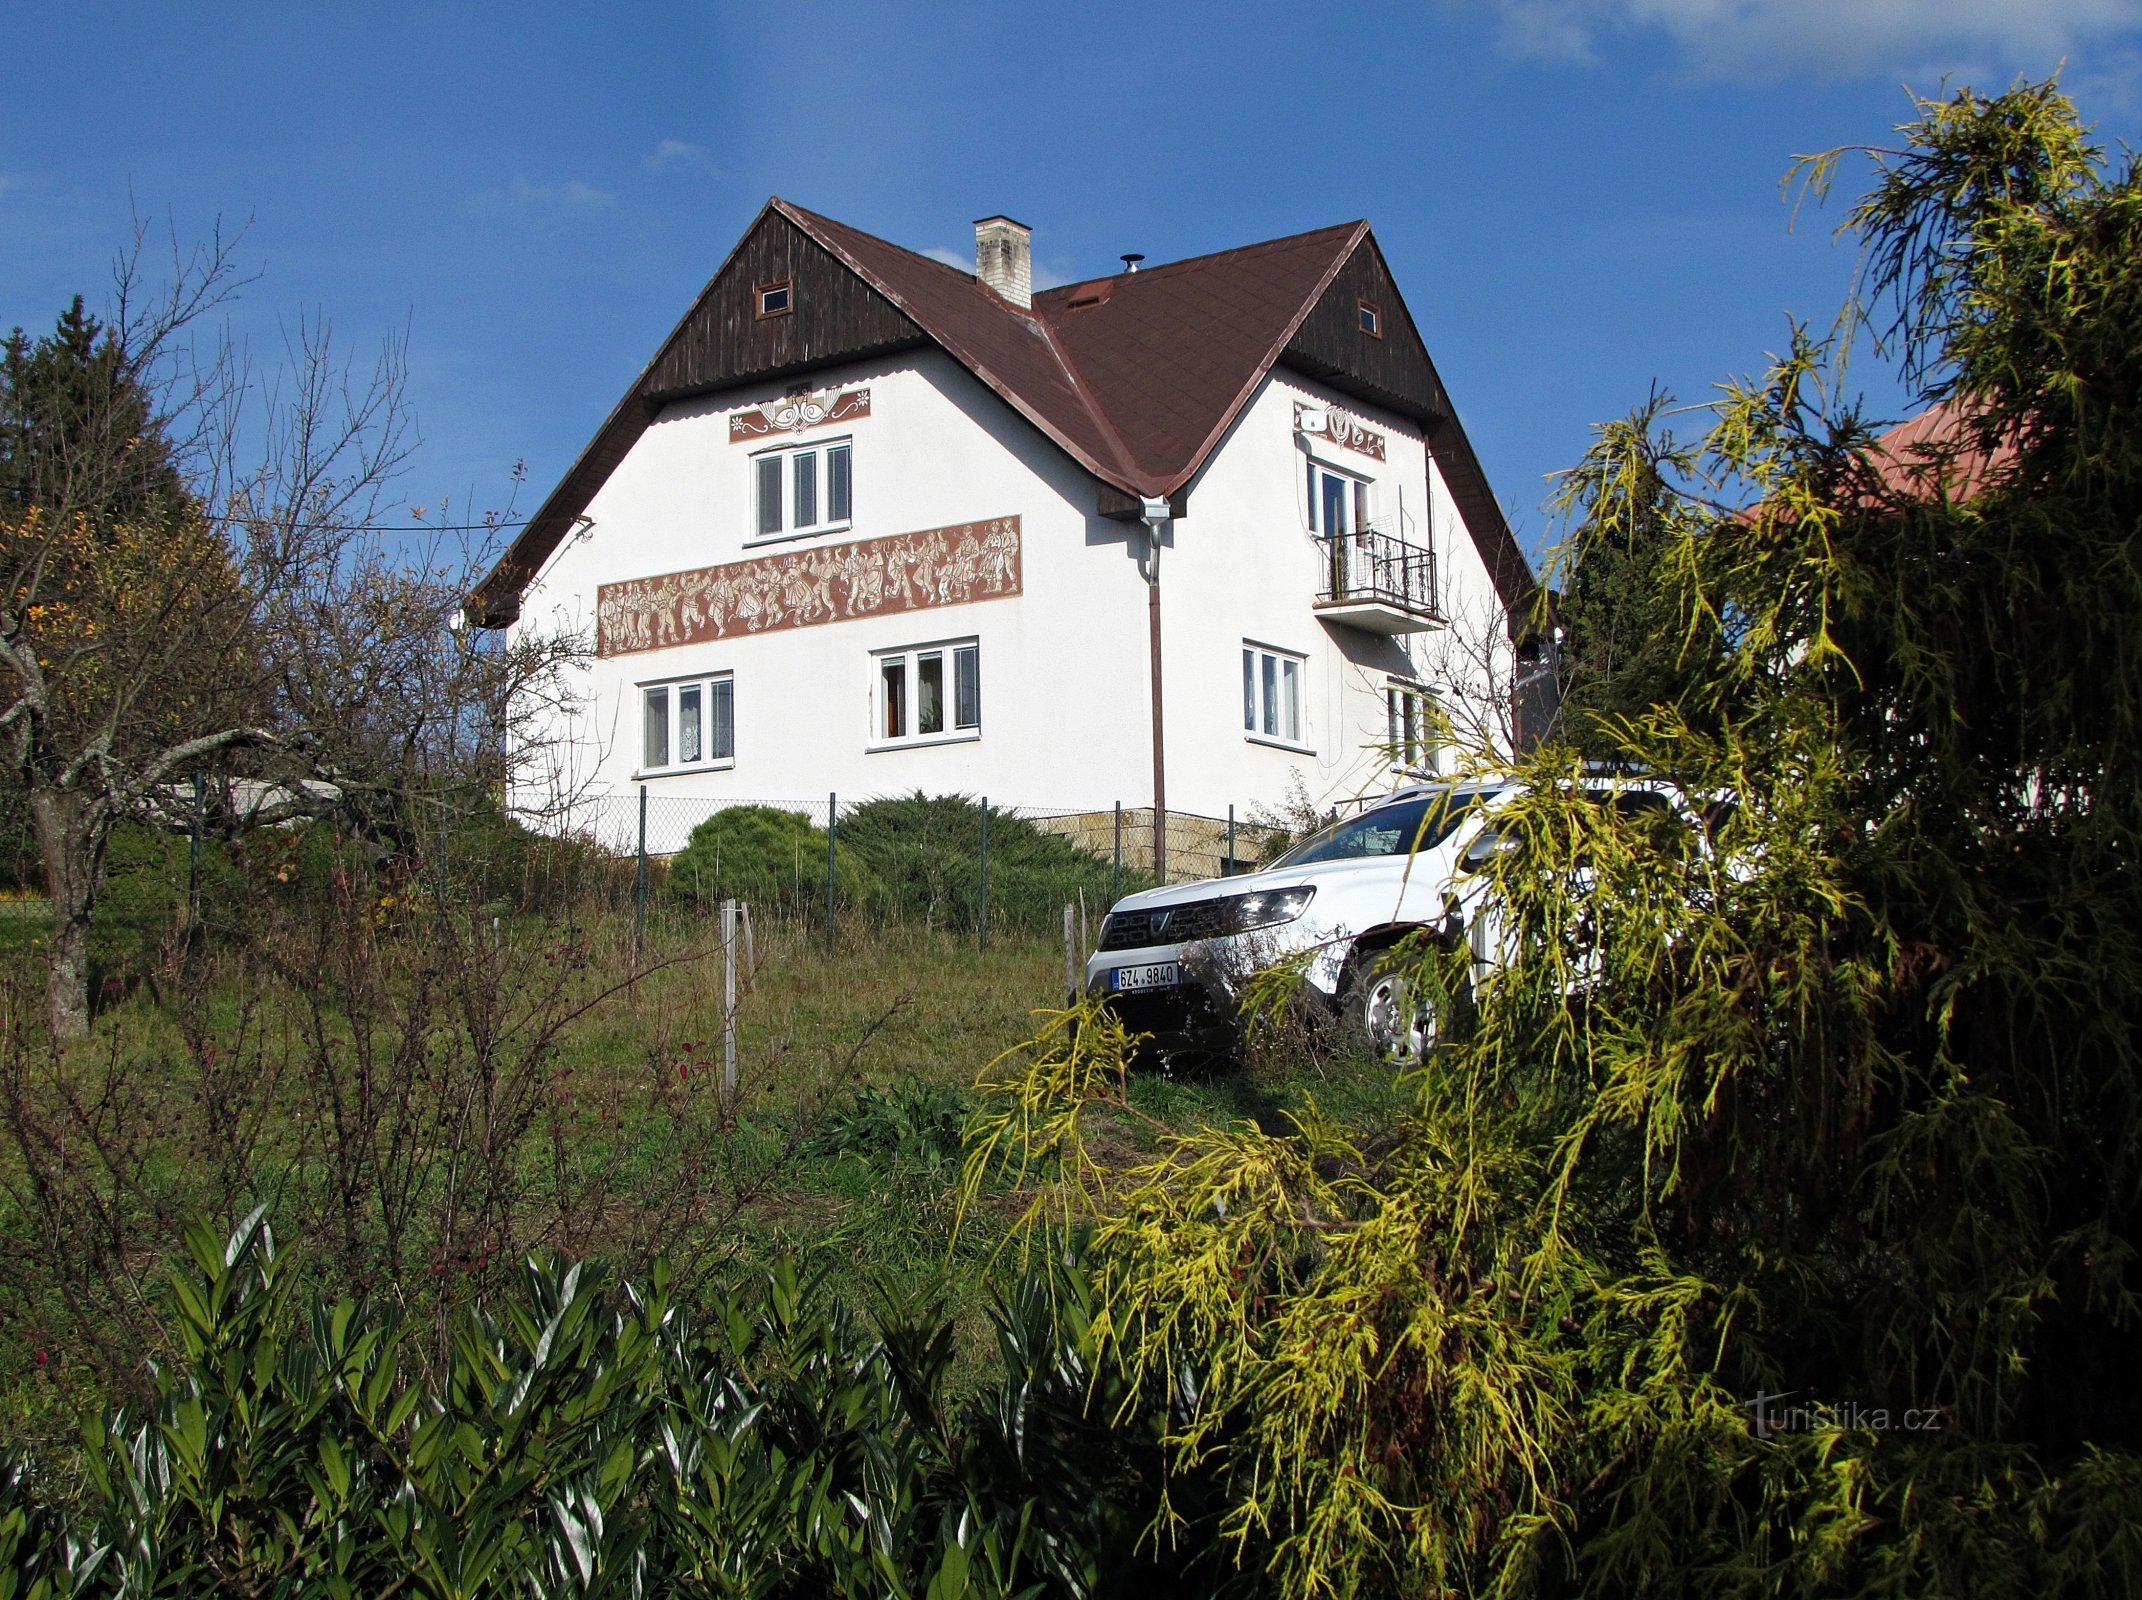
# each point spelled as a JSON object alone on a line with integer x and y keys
{"x": 1379, "y": 1010}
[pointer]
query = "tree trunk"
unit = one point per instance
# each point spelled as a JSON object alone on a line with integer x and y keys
{"x": 72, "y": 831}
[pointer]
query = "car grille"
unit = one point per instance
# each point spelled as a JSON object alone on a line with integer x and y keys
{"x": 1179, "y": 924}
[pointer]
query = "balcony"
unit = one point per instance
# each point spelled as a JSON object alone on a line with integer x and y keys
{"x": 1377, "y": 582}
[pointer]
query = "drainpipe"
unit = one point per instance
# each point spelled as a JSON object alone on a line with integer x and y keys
{"x": 1155, "y": 513}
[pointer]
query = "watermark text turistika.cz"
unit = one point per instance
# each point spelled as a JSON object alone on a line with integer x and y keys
{"x": 1779, "y": 1413}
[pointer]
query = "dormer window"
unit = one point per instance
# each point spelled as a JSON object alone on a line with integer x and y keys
{"x": 774, "y": 299}
{"x": 1371, "y": 318}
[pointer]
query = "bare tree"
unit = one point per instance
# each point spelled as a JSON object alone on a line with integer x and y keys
{"x": 1472, "y": 666}
{"x": 192, "y": 583}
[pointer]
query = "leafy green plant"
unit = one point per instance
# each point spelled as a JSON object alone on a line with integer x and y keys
{"x": 589, "y": 1439}
{"x": 915, "y": 1126}
{"x": 1775, "y": 1225}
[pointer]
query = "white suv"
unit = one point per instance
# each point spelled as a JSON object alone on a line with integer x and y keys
{"x": 1170, "y": 959}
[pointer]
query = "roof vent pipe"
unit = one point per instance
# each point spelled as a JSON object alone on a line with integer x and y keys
{"x": 1131, "y": 259}
{"x": 1004, "y": 258}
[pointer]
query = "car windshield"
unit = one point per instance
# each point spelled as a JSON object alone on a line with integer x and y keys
{"x": 1417, "y": 823}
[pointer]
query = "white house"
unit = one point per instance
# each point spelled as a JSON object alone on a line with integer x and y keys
{"x": 869, "y": 524}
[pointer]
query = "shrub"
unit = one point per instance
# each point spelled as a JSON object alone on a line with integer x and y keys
{"x": 766, "y": 857}
{"x": 925, "y": 853}
{"x": 583, "y": 1438}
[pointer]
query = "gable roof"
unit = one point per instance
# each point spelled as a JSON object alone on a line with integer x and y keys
{"x": 1136, "y": 377}
{"x": 1940, "y": 454}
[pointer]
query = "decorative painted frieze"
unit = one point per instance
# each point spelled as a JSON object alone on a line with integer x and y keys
{"x": 1339, "y": 428}
{"x": 800, "y": 588}
{"x": 793, "y": 413}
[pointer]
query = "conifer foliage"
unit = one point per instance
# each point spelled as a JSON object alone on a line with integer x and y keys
{"x": 1772, "y": 1229}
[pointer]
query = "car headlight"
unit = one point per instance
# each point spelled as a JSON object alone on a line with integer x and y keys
{"x": 1271, "y": 907}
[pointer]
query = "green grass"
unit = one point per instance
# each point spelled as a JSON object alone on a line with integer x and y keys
{"x": 851, "y": 1066}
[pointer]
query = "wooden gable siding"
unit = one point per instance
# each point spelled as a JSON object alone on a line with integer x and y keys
{"x": 837, "y": 317}
{"x": 1394, "y": 371}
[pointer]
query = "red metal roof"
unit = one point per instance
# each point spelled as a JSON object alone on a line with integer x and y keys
{"x": 1935, "y": 455}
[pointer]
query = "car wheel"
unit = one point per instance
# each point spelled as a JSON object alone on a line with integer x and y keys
{"x": 1383, "y": 1009}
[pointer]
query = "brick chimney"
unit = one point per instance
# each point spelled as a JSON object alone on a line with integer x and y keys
{"x": 1004, "y": 258}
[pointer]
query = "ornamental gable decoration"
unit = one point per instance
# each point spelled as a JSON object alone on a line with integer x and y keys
{"x": 1339, "y": 428}
{"x": 793, "y": 413}
{"x": 828, "y": 583}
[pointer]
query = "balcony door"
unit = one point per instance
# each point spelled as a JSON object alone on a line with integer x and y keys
{"x": 1338, "y": 502}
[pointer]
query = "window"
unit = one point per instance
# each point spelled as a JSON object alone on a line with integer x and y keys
{"x": 687, "y": 724}
{"x": 1420, "y": 823}
{"x": 803, "y": 489}
{"x": 1338, "y": 501}
{"x": 774, "y": 299}
{"x": 927, "y": 693}
{"x": 1272, "y": 694}
{"x": 1412, "y": 742}
{"x": 1371, "y": 318}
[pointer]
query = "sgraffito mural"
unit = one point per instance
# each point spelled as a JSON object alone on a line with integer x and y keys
{"x": 796, "y": 412}
{"x": 1339, "y": 428}
{"x": 800, "y": 588}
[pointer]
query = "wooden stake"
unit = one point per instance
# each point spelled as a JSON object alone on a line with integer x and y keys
{"x": 728, "y": 1002}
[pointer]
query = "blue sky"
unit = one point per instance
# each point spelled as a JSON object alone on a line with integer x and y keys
{"x": 1580, "y": 197}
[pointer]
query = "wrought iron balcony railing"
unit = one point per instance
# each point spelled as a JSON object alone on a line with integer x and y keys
{"x": 1374, "y": 579}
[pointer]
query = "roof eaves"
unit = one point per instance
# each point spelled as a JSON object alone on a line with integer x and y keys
{"x": 563, "y": 505}
{"x": 1508, "y": 569}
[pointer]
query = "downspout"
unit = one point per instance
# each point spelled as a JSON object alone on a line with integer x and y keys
{"x": 1155, "y": 514}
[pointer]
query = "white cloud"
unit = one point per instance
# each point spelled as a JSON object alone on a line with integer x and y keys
{"x": 951, "y": 258}
{"x": 1766, "y": 39}
{"x": 681, "y": 155}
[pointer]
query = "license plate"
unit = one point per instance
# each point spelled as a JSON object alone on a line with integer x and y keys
{"x": 1158, "y": 975}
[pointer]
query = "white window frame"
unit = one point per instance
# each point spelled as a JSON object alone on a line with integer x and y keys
{"x": 716, "y": 714}
{"x": 1275, "y": 696}
{"x": 899, "y": 682}
{"x": 819, "y": 452}
{"x": 1358, "y": 499}
{"x": 1409, "y": 742}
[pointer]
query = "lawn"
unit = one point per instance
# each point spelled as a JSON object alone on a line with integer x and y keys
{"x": 425, "y": 1100}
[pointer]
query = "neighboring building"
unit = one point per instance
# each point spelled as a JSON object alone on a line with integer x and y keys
{"x": 869, "y": 524}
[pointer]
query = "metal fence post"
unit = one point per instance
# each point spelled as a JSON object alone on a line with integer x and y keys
{"x": 832, "y": 824}
{"x": 1228, "y": 871}
{"x": 1115, "y": 882}
{"x": 983, "y": 919}
{"x": 1070, "y": 960}
{"x": 639, "y": 886}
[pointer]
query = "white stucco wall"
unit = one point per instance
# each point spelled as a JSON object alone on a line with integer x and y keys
{"x": 1063, "y": 665}
{"x": 1245, "y": 567}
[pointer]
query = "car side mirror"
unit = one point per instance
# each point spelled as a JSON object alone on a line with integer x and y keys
{"x": 1488, "y": 843}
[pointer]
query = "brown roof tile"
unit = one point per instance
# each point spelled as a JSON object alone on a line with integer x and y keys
{"x": 1138, "y": 380}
